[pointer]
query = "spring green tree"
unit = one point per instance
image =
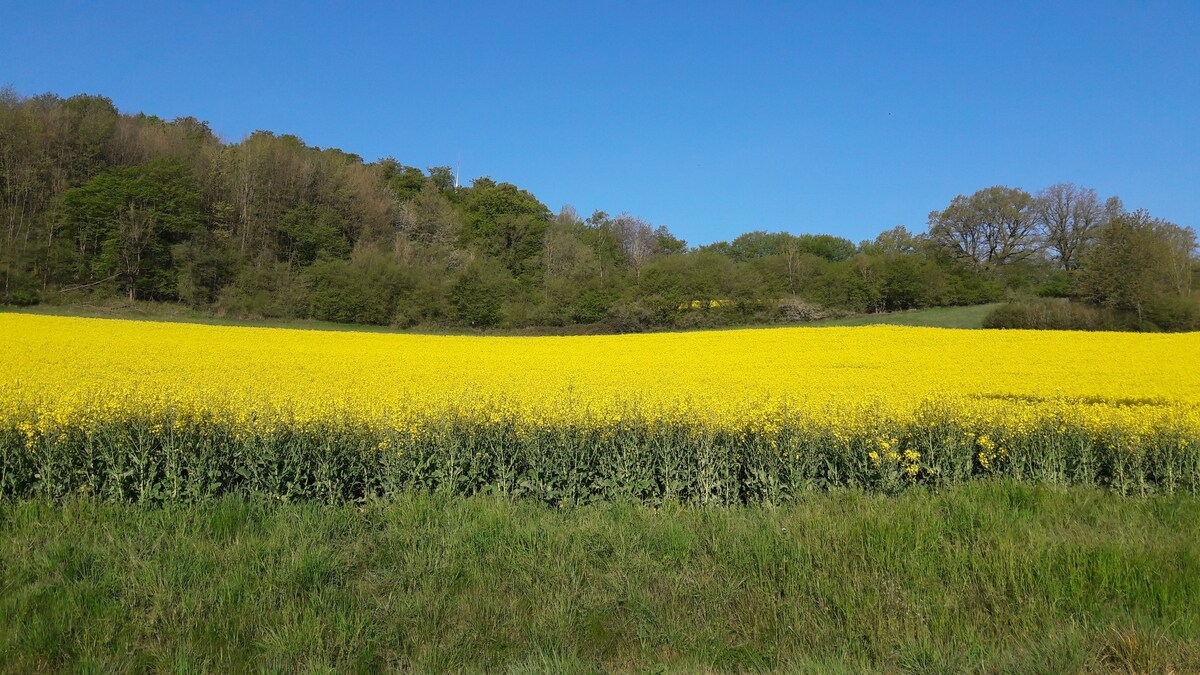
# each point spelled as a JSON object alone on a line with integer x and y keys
{"x": 125, "y": 221}
{"x": 1137, "y": 260}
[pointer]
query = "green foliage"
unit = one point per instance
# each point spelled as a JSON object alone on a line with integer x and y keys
{"x": 505, "y": 222}
{"x": 961, "y": 287}
{"x": 442, "y": 178}
{"x": 265, "y": 291}
{"x": 364, "y": 290}
{"x": 163, "y": 459}
{"x": 1060, "y": 284}
{"x": 99, "y": 204}
{"x": 991, "y": 228}
{"x": 591, "y": 307}
{"x": 631, "y": 316}
{"x": 762, "y": 244}
{"x": 404, "y": 181}
{"x": 1170, "y": 312}
{"x": 22, "y": 298}
{"x": 479, "y": 292}
{"x": 940, "y": 317}
{"x": 1137, "y": 262}
{"x": 125, "y": 221}
{"x": 1058, "y": 314}
{"x": 206, "y": 265}
{"x": 904, "y": 283}
{"x": 308, "y": 233}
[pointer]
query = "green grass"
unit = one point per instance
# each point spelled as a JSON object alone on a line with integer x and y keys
{"x": 176, "y": 313}
{"x": 938, "y": 317}
{"x": 987, "y": 577}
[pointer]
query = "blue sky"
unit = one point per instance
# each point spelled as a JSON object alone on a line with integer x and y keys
{"x": 710, "y": 118}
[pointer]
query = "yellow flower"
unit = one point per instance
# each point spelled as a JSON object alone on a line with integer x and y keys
{"x": 874, "y": 388}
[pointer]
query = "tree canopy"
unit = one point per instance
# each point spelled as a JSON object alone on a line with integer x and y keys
{"x": 95, "y": 202}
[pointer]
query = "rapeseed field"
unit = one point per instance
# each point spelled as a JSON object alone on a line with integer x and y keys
{"x": 164, "y": 410}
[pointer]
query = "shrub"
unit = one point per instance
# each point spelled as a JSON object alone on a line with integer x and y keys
{"x": 1008, "y": 315}
{"x": 479, "y": 294}
{"x": 700, "y": 319}
{"x": 629, "y": 317}
{"x": 268, "y": 291}
{"x": 790, "y": 310}
{"x": 1053, "y": 314}
{"x": 1175, "y": 313}
{"x": 591, "y": 307}
{"x": 22, "y": 298}
{"x": 1060, "y": 284}
{"x": 365, "y": 290}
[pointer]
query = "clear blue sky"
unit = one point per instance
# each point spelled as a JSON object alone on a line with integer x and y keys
{"x": 710, "y": 118}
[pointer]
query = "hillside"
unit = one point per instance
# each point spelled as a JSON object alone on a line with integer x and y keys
{"x": 102, "y": 205}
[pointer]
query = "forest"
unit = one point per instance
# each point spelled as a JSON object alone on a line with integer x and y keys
{"x": 99, "y": 205}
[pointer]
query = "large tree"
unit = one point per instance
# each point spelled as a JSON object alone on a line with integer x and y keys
{"x": 1136, "y": 260}
{"x": 506, "y": 222}
{"x": 125, "y": 221}
{"x": 1069, "y": 217}
{"x": 988, "y": 229}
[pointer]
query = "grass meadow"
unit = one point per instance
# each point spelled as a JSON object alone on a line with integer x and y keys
{"x": 986, "y": 577}
{"x": 970, "y": 316}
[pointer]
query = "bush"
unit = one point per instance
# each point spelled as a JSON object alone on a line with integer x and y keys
{"x": 1175, "y": 313}
{"x": 1171, "y": 313}
{"x": 629, "y": 317}
{"x": 478, "y": 296}
{"x": 1051, "y": 314}
{"x": 1009, "y": 315}
{"x": 964, "y": 288}
{"x": 206, "y": 265}
{"x": 700, "y": 319}
{"x": 1060, "y": 284}
{"x": 269, "y": 291}
{"x": 591, "y": 307}
{"x": 792, "y": 310}
{"x": 365, "y": 290}
{"x": 21, "y": 298}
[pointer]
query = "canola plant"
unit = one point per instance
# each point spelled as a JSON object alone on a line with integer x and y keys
{"x": 158, "y": 411}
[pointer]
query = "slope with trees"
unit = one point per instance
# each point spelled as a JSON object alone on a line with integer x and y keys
{"x": 98, "y": 205}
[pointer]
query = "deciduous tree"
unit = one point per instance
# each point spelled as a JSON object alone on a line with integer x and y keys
{"x": 1068, "y": 217}
{"x": 991, "y": 228}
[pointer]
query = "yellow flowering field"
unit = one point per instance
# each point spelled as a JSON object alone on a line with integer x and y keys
{"x": 872, "y": 388}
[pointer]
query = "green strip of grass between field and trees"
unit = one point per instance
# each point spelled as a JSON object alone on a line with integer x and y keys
{"x": 971, "y": 316}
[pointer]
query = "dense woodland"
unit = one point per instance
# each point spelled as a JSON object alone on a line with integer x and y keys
{"x": 98, "y": 205}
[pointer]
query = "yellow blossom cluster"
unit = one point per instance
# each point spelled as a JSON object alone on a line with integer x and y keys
{"x": 847, "y": 383}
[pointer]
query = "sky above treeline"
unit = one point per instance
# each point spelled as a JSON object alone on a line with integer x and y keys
{"x": 710, "y": 118}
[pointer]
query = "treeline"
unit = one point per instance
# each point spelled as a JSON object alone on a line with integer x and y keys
{"x": 99, "y": 205}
